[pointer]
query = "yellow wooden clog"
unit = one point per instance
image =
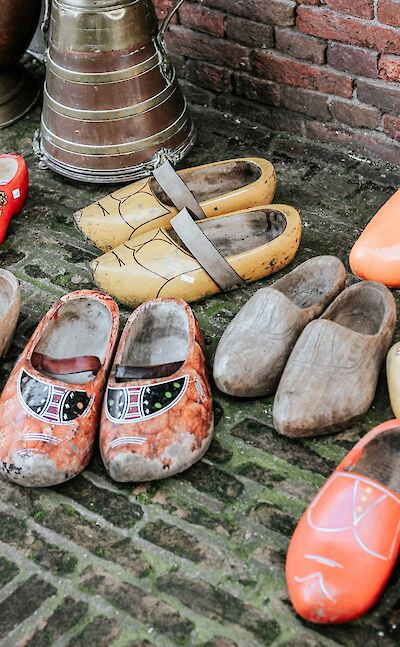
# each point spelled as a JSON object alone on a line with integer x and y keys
{"x": 250, "y": 245}
{"x": 220, "y": 188}
{"x": 393, "y": 378}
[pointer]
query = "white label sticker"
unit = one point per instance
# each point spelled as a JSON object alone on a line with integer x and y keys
{"x": 187, "y": 279}
{"x": 16, "y": 194}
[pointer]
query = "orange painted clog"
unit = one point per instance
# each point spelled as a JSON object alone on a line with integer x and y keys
{"x": 157, "y": 417}
{"x": 347, "y": 542}
{"x": 13, "y": 189}
{"x": 376, "y": 254}
{"x": 51, "y": 404}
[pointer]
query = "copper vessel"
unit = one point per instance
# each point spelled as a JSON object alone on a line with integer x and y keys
{"x": 112, "y": 109}
{"x": 18, "y": 88}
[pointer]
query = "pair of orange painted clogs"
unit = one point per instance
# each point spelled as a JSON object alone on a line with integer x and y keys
{"x": 154, "y": 409}
{"x": 191, "y": 234}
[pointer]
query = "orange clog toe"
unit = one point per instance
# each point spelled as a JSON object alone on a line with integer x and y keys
{"x": 376, "y": 254}
{"x": 13, "y": 189}
{"x": 346, "y": 544}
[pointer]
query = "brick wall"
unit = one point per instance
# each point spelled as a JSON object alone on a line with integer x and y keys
{"x": 326, "y": 70}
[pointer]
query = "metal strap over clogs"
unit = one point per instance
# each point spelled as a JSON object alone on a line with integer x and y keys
{"x": 67, "y": 366}
{"x": 176, "y": 189}
{"x": 205, "y": 253}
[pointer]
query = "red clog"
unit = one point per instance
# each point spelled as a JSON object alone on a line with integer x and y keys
{"x": 13, "y": 189}
{"x": 157, "y": 417}
{"x": 50, "y": 407}
{"x": 347, "y": 542}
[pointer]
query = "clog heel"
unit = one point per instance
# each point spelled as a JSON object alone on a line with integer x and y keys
{"x": 347, "y": 542}
{"x": 157, "y": 417}
{"x": 51, "y": 404}
{"x": 13, "y": 189}
{"x": 10, "y": 303}
{"x": 209, "y": 190}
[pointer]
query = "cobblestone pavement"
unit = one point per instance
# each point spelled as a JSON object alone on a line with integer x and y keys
{"x": 197, "y": 559}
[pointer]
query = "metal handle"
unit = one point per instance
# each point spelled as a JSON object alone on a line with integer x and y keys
{"x": 44, "y": 27}
{"x": 167, "y": 20}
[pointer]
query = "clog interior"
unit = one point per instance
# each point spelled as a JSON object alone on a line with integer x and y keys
{"x": 6, "y": 295}
{"x": 79, "y": 327}
{"x": 306, "y": 287}
{"x": 243, "y": 231}
{"x": 362, "y": 311}
{"x": 380, "y": 459}
{"x": 8, "y": 169}
{"x": 213, "y": 181}
{"x": 159, "y": 336}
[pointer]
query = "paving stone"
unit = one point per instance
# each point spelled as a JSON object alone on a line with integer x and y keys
{"x": 100, "y": 632}
{"x": 114, "y": 507}
{"x": 8, "y": 570}
{"x": 218, "y": 604}
{"x": 174, "y": 539}
{"x": 20, "y": 604}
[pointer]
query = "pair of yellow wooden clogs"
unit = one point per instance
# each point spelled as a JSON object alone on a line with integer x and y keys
{"x": 191, "y": 234}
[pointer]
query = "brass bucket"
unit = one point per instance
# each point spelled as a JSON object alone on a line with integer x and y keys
{"x": 113, "y": 109}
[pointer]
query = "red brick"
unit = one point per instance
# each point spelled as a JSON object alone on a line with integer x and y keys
{"x": 186, "y": 42}
{"x": 389, "y": 68}
{"x": 389, "y": 12}
{"x": 299, "y": 45}
{"x": 356, "y": 115}
{"x": 380, "y": 94}
{"x": 280, "y": 12}
{"x": 203, "y": 19}
{"x": 391, "y": 126}
{"x": 360, "y": 8}
{"x": 257, "y": 89}
{"x": 332, "y": 26}
{"x": 251, "y": 33}
{"x": 347, "y": 58}
{"x": 305, "y": 101}
{"x": 291, "y": 72}
{"x": 358, "y": 140}
{"x": 209, "y": 76}
{"x": 163, "y": 7}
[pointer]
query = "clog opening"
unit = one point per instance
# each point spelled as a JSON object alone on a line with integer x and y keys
{"x": 159, "y": 336}
{"x": 380, "y": 459}
{"x": 214, "y": 181}
{"x": 310, "y": 283}
{"x": 80, "y": 327}
{"x": 360, "y": 310}
{"x": 243, "y": 231}
{"x": 6, "y": 295}
{"x": 8, "y": 169}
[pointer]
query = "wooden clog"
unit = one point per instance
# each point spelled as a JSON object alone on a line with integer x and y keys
{"x": 157, "y": 417}
{"x": 216, "y": 189}
{"x": 225, "y": 253}
{"x": 254, "y": 348}
{"x": 332, "y": 373}
{"x": 347, "y": 542}
{"x": 51, "y": 404}
{"x": 376, "y": 254}
{"x": 393, "y": 378}
{"x": 13, "y": 189}
{"x": 10, "y": 303}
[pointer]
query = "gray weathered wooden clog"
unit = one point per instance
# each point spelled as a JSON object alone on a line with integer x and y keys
{"x": 332, "y": 373}
{"x": 254, "y": 348}
{"x": 10, "y": 302}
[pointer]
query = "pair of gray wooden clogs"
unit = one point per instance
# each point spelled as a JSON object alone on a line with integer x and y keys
{"x": 321, "y": 346}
